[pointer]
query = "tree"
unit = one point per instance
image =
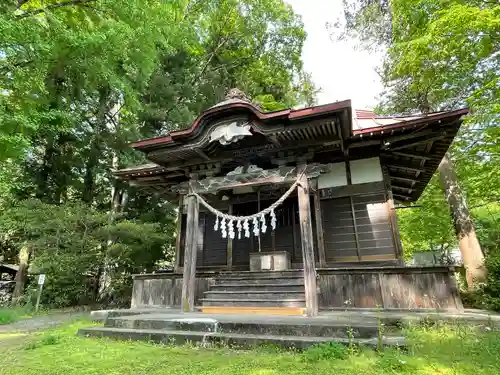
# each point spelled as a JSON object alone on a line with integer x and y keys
{"x": 441, "y": 55}
{"x": 79, "y": 80}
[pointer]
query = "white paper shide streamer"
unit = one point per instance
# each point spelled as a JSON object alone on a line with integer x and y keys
{"x": 226, "y": 223}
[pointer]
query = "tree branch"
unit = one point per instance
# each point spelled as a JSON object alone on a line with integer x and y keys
{"x": 53, "y": 6}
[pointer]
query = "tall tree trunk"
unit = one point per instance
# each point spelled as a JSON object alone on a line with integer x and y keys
{"x": 464, "y": 226}
{"x": 95, "y": 152}
{"x": 42, "y": 178}
{"x": 22, "y": 273}
{"x": 115, "y": 202}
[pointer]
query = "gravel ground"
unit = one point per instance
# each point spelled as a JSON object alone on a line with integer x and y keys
{"x": 18, "y": 332}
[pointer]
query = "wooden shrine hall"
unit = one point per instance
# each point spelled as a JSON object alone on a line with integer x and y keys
{"x": 293, "y": 211}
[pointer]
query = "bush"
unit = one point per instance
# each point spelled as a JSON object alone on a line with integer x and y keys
{"x": 8, "y": 315}
{"x": 488, "y": 296}
{"x": 491, "y": 290}
{"x": 326, "y": 351}
{"x": 394, "y": 361}
{"x": 79, "y": 250}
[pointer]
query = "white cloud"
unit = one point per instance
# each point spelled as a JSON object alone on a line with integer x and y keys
{"x": 336, "y": 67}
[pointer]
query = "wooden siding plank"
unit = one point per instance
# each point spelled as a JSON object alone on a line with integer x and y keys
{"x": 178, "y": 239}
{"x": 319, "y": 228}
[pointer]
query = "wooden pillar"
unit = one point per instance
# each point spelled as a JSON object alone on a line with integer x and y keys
{"x": 190, "y": 254}
{"x": 319, "y": 226}
{"x": 307, "y": 244}
{"x": 229, "y": 260}
{"x": 177, "y": 261}
{"x": 398, "y": 245}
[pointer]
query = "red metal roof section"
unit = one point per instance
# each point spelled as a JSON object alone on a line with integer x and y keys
{"x": 365, "y": 113}
{"x": 402, "y": 121}
{"x": 291, "y": 114}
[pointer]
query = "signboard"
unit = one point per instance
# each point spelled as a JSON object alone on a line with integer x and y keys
{"x": 41, "y": 279}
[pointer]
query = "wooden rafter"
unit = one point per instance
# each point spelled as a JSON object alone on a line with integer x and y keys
{"x": 414, "y": 155}
{"x": 202, "y": 154}
{"x": 404, "y": 197}
{"x": 405, "y": 167}
{"x": 422, "y": 133}
{"x": 397, "y": 187}
{"x": 417, "y": 142}
{"x": 408, "y": 179}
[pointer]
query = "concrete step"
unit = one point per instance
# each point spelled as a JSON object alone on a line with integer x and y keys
{"x": 282, "y": 328}
{"x": 269, "y": 311}
{"x": 254, "y": 302}
{"x": 258, "y": 294}
{"x": 268, "y": 287}
{"x": 229, "y": 339}
{"x": 261, "y": 274}
{"x": 249, "y": 280}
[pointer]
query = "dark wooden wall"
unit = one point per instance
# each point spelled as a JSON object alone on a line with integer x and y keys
{"x": 165, "y": 289}
{"x": 389, "y": 287}
{"x": 357, "y": 228}
{"x": 356, "y": 222}
{"x": 339, "y": 288}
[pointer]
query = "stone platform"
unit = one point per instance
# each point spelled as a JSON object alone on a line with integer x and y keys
{"x": 172, "y": 326}
{"x": 249, "y": 330}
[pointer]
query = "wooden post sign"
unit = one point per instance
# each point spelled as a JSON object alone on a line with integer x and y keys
{"x": 41, "y": 281}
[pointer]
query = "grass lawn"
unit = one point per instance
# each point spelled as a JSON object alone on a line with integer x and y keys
{"x": 450, "y": 350}
{"x": 11, "y": 314}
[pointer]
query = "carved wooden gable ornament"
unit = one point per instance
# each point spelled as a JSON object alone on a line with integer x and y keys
{"x": 230, "y": 132}
{"x": 233, "y": 130}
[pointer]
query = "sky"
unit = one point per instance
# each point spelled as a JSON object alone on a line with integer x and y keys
{"x": 336, "y": 67}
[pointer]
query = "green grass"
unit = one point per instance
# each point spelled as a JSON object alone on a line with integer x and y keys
{"x": 445, "y": 350}
{"x": 11, "y": 314}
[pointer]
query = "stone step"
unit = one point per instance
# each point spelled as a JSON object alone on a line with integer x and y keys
{"x": 261, "y": 274}
{"x": 282, "y": 328}
{"x": 268, "y": 287}
{"x": 257, "y": 294}
{"x": 252, "y": 311}
{"x": 254, "y": 302}
{"x": 229, "y": 339}
{"x": 285, "y": 280}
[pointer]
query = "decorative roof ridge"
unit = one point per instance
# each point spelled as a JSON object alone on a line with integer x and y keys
{"x": 288, "y": 113}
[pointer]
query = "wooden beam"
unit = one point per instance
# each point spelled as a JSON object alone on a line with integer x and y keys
{"x": 409, "y": 190}
{"x": 414, "y": 155}
{"x": 283, "y": 175}
{"x": 423, "y": 133}
{"x": 159, "y": 155}
{"x": 202, "y": 154}
{"x": 229, "y": 255}
{"x": 365, "y": 143}
{"x": 405, "y": 167}
{"x": 307, "y": 243}
{"x": 319, "y": 226}
{"x": 190, "y": 254}
{"x": 357, "y": 189}
{"x": 415, "y": 143}
{"x": 403, "y": 197}
{"x": 412, "y": 180}
{"x": 177, "y": 265}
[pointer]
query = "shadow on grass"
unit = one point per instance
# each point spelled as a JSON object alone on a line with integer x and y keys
{"x": 443, "y": 350}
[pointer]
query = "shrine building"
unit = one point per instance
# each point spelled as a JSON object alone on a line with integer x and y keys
{"x": 294, "y": 211}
